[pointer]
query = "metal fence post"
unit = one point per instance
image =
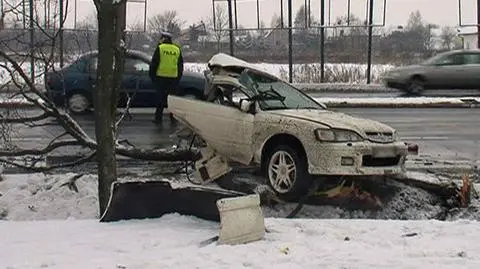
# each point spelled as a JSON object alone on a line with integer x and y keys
{"x": 370, "y": 33}
{"x": 322, "y": 41}
{"x": 32, "y": 41}
{"x": 290, "y": 42}
{"x": 230, "y": 26}
{"x": 60, "y": 34}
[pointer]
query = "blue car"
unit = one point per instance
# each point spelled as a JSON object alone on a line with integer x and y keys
{"x": 73, "y": 85}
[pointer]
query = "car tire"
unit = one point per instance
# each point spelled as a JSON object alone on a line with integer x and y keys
{"x": 415, "y": 86}
{"x": 78, "y": 103}
{"x": 288, "y": 185}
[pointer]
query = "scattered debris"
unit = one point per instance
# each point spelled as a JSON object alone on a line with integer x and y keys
{"x": 70, "y": 183}
{"x": 410, "y": 235}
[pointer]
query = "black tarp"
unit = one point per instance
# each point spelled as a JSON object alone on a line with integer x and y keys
{"x": 153, "y": 199}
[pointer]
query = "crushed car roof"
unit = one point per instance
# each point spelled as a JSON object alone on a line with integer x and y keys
{"x": 225, "y": 60}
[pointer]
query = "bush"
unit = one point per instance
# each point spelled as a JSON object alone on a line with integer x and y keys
{"x": 310, "y": 73}
{"x": 334, "y": 73}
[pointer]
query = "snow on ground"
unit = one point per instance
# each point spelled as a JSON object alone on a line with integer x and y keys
{"x": 306, "y": 73}
{"x": 173, "y": 242}
{"x": 47, "y": 225}
{"x": 342, "y": 100}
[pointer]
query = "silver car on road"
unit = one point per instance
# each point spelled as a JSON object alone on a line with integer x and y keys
{"x": 457, "y": 69}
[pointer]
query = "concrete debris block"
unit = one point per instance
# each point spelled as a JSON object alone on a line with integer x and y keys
{"x": 241, "y": 220}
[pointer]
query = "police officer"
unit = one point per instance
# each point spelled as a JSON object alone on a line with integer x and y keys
{"x": 166, "y": 70}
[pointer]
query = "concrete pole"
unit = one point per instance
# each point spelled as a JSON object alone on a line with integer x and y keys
{"x": 478, "y": 24}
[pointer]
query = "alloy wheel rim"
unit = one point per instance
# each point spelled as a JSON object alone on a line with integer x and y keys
{"x": 282, "y": 172}
{"x": 78, "y": 103}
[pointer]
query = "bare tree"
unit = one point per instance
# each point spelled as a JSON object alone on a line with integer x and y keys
{"x": 447, "y": 36}
{"x": 90, "y": 22}
{"x": 217, "y": 27}
{"x": 65, "y": 130}
{"x": 166, "y": 21}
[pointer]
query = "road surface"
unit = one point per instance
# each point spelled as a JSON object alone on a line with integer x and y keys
{"x": 446, "y": 133}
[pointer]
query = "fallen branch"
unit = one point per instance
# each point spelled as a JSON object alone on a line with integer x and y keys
{"x": 45, "y": 150}
{"x": 71, "y": 182}
{"x": 167, "y": 155}
{"x": 50, "y": 167}
{"x": 43, "y": 116}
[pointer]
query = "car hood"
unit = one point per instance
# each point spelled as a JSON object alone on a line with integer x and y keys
{"x": 335, "y": 120}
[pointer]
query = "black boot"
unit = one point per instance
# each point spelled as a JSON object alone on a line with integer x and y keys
{"x": 173, "y": 121}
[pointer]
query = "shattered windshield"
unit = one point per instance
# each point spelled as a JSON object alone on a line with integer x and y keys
{"x": 275, "y": 94}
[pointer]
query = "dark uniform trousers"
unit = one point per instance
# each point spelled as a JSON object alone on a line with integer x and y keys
{"x": 164, "y": 87}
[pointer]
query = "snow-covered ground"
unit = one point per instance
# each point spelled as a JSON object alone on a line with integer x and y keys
{"x": 173, "y": 242}
{"x": 419, "y": 101}
{"x": 304, "y": 73}
{"x": 47, "y": 225}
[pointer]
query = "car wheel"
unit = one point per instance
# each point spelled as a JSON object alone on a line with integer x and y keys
{"x": 78, "y": 103}
{"x": 415, "y": 86}
{"x": 287, "y": 173}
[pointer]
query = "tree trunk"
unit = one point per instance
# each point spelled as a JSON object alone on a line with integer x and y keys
{"x": 102, "y": 102}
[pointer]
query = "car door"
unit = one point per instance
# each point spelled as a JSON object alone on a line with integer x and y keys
{"x": 471, "y": 71}
{"x": 446, "y": 73}
{"x": 146, "y": 93}
{"x": 227, "y": 129}
{"x": 128, "y": 85}
{"x": 130, "y": 81}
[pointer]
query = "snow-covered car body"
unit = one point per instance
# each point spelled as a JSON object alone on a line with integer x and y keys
{"x": 250, "y": 115}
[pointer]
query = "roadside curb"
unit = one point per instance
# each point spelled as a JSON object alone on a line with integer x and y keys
{"x": 397, "y": 105}
{"x": 344, "y": 103}
{"x": 12, "y": 105}
{"x": 427, "y": 165}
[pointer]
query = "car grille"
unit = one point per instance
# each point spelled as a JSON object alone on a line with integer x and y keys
{"x": 370, "y": 161}
{"x": 379, "y": 137}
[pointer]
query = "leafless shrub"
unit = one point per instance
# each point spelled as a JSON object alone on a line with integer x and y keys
{"x": 334, "y": 73}
{"x": 62, "y": 129}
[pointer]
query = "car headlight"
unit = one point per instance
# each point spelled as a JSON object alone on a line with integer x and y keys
{"x": 395, "y": 136}
{"x": 337, "y": 135}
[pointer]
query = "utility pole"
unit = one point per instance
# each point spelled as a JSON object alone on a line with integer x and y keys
{"x": 2, "y": 19}
{"x": 290, "y": 42}
{"x": 32, "y": 40}
{"x": 478, "y": 24}
{"x": 370, "y": 36}
{"x": 230, "y": 27}
{"x": 322, "y": 41}
{"x": 60, "y": 33}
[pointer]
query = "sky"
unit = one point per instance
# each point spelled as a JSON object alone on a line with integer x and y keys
{"x": 442, "y": 12}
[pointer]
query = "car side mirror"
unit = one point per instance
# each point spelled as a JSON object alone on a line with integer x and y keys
{"x": 246, "y": 105}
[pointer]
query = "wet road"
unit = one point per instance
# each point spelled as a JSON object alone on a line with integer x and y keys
{"x": 397, "y": 93}
{"x": 446, "y": 133}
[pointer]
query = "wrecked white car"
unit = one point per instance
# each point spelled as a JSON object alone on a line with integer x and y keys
{"x": 254, "y": 118}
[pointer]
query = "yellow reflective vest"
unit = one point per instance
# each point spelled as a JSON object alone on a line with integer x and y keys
{"x": 169, "y": 56}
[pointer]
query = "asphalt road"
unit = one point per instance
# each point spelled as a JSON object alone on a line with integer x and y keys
{"x": 446, "y": 133}
{"x": 395, "y": 93}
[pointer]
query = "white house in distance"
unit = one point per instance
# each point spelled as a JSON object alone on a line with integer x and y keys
{"x": 469, "y": 39}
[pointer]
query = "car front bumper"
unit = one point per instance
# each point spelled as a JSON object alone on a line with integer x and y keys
{"x": 394, "y": 83}
{"x": 357, "y": 159}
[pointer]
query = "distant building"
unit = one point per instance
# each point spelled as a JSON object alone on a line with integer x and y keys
{"x": 469, "y": 40}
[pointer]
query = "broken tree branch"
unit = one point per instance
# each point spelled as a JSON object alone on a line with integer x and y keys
{"x": 43, "y": 151}
{"x": 40, "y": 169}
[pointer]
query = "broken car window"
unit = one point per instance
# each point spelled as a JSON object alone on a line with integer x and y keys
{"x": 275, "y": 94}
